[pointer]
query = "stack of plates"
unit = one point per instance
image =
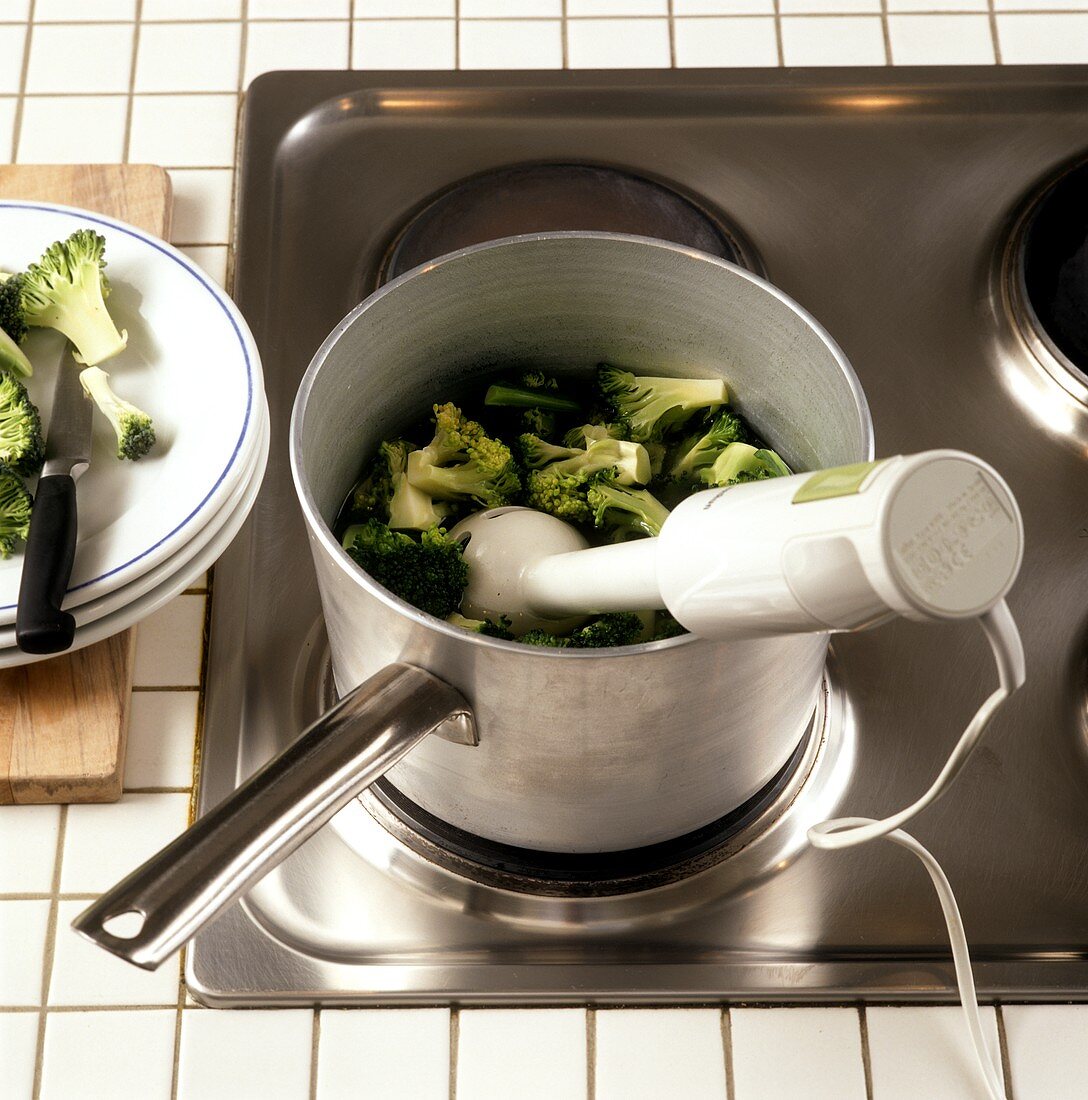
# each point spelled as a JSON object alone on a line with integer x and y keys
{"x": 147, "y": 529}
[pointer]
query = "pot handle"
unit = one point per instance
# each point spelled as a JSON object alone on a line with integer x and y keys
{"x": 194, "y": 877}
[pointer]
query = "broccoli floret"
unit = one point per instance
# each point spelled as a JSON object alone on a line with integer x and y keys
{"x": 630, "y": 460}
{"x": 463, "y": 462}
{"x": 13, "y": 358}
{"x": 536, "y": 452}
{"x": 489, "y": 629}
{"x": 430, "y": 574}
{"x": 15, "y": 505}
{"x": 665, "y": 627}
{"x": 538, "y": 422}
{"x": 12, "y": 318}
{"x": 617, "y": 628}
{"x": 559, "y": 494}
{"x": 627, "y": 511}
{"x": 544, "y": 638}
{"x": 700, "y": 451}
{"x": 648, "y": 407}
{"x": 21, "y": 444}
{"x": 741, "y": 462}
{"x": 538, "y": 380}
{"x": 67, "y": 290}
{"x": 135, "y": 432}
{"x": 587, "y": 433}
{"x": 385, "y": 492}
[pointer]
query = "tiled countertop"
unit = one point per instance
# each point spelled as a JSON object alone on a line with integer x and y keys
{"x": 159, "y": 81}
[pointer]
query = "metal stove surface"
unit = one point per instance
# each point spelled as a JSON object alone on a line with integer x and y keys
{"x": 883, "y": 201}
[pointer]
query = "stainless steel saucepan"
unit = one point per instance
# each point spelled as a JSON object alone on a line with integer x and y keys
{"x": 553, "y": 750}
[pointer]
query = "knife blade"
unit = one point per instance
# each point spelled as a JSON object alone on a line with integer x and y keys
{"x": 41, "y": 626}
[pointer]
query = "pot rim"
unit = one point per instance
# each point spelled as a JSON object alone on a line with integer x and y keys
{"x": 320, "y": 529}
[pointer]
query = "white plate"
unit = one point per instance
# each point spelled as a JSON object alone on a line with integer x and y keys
{"x": 170, "y": 586}
{"x": 190, "y": 362}
{"x": 116, "y": 598}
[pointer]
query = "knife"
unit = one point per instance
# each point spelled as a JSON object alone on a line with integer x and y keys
{"x": 40, "y": 624}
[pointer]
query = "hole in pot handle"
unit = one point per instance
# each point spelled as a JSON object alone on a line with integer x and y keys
{"x": 239, "y": 841}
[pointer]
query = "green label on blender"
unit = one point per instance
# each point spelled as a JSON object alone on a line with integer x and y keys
{"x": 840, "y": 481}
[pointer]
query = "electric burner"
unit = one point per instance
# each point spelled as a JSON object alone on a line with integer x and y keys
{"x": 928, "y": 218}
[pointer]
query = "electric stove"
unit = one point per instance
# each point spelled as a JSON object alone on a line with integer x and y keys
{"x": 934, "y": 221}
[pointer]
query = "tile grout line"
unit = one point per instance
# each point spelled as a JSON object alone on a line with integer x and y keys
{"x": 1003, "y": 1048}
{"x": 991, "y": 9}
{"x": 457, "y": 34}
{"x": 126, "y": 141}
{"x": 886, "y": 31}
{"x": 564, "y": 31}
{"x": 175, "y": 1069}
{"x": 48, "y": 952}
{"x": 315, "y": 1044}
{"x": 866, "y": 1055}
{"x": 671, "y": 9}
{"x": 243, "y": 49}
{"x": 726, "y": 1024}
{"x": 591, "y": 1053}
{"x": 20, "y": 102}
{"x": 455, "y": 1042}
{"x": 778, "y": 33}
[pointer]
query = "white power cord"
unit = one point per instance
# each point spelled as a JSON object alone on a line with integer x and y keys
{"x": 847, "y": 832}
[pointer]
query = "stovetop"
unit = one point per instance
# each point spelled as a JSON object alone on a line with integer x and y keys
{"x": 887, "y": 203}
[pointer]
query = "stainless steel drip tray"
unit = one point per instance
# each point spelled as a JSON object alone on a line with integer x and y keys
{"x": 883, "y": 201}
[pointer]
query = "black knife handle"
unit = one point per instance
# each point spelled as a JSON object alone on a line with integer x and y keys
{"x": 40, "y": 624}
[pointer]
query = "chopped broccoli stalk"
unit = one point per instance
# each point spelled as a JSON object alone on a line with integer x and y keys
{"x": 135, "y": 432}
{"x": 665, "y": 627}
{"x": 489, "y": 629}
{"x": 741, "y": 462}
{"x": 67, "y": 290}
{"x": 21, "y": 444}
{"x": 462, "y": 462}
{"x": 430, "y": 574}
{"x": 699, "y": 452}
{"x": 504, "y": 395}
{"x": 648, "y": 407}
{"x": 385, "y": 492}
{"x": 627, "y": 511}
{"x": 15, "y": 505}
{"x": 12, "y": 318}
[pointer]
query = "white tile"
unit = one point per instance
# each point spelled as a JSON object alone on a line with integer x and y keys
{"x": 1048, "y": 1050}
{"x": 67, "y": 11}
{"x": 84, "y": 974}
{"x": 723, "y": 7}
{"x": 805, "y": 7}
{"x": 1040, "y": 5}
{"x": 67, "y": 130}
{"x": 188, "y": 57}
{"x": 833, "y": 40}
{"x": 947, "y": 1072}
{"x": 183, "y": 130}
{"x": 14, "y": 9}
{"x": 533, "y": 1054}
{"x": 726, "y": 42}
{"x": 404, "y": 44}
{"x": 299, "y": 45}
{"x": 28, "y": 848}
{"x": 617, "y": 7}
{"x": 76, "y": 58}
{"x": 937, "y": 5}
{"x": 237, "y": 1055}
{"x": 940, "y": 40}
{"x": 108, "y": 1055}
{"x": 401, "y": 1055}
{"x": 7, "y": 128}
{"x": 23, "y": 927}
{"x": 299, "y": 9}
{"x": 192, "y": 9}
{"x": 18, "y": 1048}
{"x": 161, "y": 736}
{"x": 511, "y": 44}
{"x": 809, "y": 1052}
{"x": 510, "y": 9}
{"x": 201, "y": 208}
{"x": 1043, "y": 39}
{"x": 104, "y": 841}
{"x": 169, "y": 643}
{"x": 212, "y": 258}
{"x": 618, "y": 43}
{"x": 12, "y": 46}
{"x": 390, "y": 9}
{"x": 652, "y": 1052}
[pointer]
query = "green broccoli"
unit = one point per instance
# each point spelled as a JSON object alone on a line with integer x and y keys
{"x": 630, "y": 460}
{"x": 462, "y": 462}
{"x": 537, "y": 390}
{"x": 22, "y": 447}
{"x": 544, "y": 638}
{"x": 538, "y": 380}
{"x": 430, "y": 574}
{"x": 135, "y": 432}
{"x": 665, "y": 627}
{"x": 489, "y": 629}
{"x": 586, "y": 433}
{"x": 648, "y": 407}
{"x": 740, "y": 462}
{"x": 66, "y": 290}
{"x": 15, "y": 506}
{"x": 538, "y": 421}
{"x": 700, "y": 451}
{"x": 12, "y": 317}
{"x": 616, "y": 628}
{"x": 385, "y": 492}
{"x": 627, "y": 511}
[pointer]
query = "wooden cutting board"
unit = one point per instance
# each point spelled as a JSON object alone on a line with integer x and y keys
{"x": 63, "y": 722}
